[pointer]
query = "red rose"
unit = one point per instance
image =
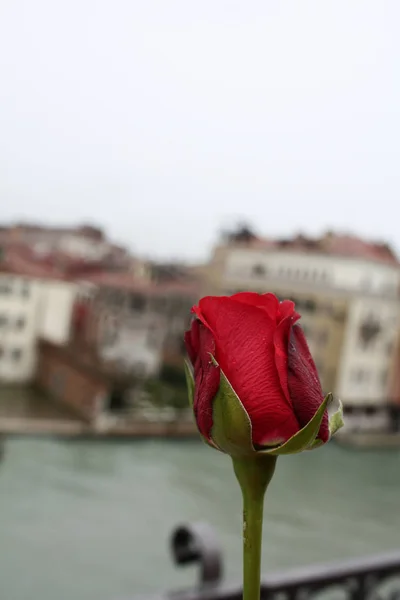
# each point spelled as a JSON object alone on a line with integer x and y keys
{"x": 256, "y": 342}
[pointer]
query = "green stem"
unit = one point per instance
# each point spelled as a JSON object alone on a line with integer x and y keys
{"x": 254, "y": 475}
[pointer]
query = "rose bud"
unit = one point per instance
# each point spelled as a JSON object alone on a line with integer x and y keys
{"x": 253, "y": 383}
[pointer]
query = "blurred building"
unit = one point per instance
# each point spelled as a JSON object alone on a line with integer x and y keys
{"x": 394, "y": 379}
{"x": 347, "y": 291}
{"x": 65, "y": 248}
{"x": 124, "y": 330}
{"x": 33, "y": 305}
{"x": 138, "y": 324}
{"x": 40, "y": 297}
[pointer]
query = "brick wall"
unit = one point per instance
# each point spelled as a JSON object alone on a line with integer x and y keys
{"x": 63, "y": 377}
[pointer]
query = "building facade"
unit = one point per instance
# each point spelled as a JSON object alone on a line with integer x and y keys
{"x": 138, "y": 325}
{"x": 30, "y": 308}
{"x": 349, "y": 301}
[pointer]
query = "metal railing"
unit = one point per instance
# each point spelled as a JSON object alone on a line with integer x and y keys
{"x": 372, "y": 578}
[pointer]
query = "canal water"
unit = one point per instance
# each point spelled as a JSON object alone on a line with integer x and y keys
{"x": 89, "y": 520}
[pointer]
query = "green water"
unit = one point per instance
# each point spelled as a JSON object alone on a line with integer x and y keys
{"x": 91, "y": 521}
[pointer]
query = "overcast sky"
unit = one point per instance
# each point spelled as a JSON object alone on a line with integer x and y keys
{"x": 165, "y": 120}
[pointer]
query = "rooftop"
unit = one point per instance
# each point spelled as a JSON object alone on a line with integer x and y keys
{"x": 21, "y": 259}
{"x": 89, "y": 231}
{"x": 18, "y": 264}
{"x": 337, "y": 244}
{"x": 127, "y": 282}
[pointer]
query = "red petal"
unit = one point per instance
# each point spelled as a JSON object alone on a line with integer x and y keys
{"x": 286, "y": 309}
{"x": 303, "y": 381}
{"x": 281, "y": 342}
{"x": 192, "y": 341}
{"x": 268, "y": 302}
{"x": 199, "y": 314}
{"x": 244, "y": 337}
{"x": 288, "y": 318}
{"x": 206, "y": 381}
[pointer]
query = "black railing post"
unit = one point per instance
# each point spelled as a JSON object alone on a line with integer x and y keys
{"x": 198, "y": 543}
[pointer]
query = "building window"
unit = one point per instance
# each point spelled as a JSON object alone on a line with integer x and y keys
{"x": 360, "y": 375}
{"x": 5, "y": 287}
{"x": 25, "y": 289}
{"x": 137, "y": 303}
{"x": 322, "y": 337}
{"x": 310, "y": 305}
{"x": 369, "y": 331}
{"x": 259, "y": 271}
{"x": 20, "y": 323}
{"x": 153, "y": 338}
{"x": 384, "y": 377}
{"x": 16, "y": 354}
{"x": 3, "y": 321}
{"x": 1, "y": 352}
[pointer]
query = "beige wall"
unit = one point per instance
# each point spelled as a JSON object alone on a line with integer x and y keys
{"x": 57, "y": 303}
{"x": 31, "y": 308}
{"x": 365, "y": 371}
{"x": 20, "y": 302}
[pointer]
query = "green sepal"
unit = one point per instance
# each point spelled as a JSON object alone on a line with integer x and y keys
{"x": 335, "y": 423}
{"x": 316, "y": 444}
{"x": 306, "y": 437}
{"x": 189, "y": 382}
{"x": 210, "y": 443}
{"x": 231, "y": 430}
{"x": 336, "y": 420}
{"x": 190, "y": 386}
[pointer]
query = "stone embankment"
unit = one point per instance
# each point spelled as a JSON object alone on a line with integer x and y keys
{"x": 75, "y": 428}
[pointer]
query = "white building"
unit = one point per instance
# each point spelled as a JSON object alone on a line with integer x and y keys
{"x": 369, "y": 284}
{"x": 31, "y": 308}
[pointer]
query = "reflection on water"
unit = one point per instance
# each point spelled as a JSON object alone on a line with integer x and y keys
{"x": 91, "y": 520}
